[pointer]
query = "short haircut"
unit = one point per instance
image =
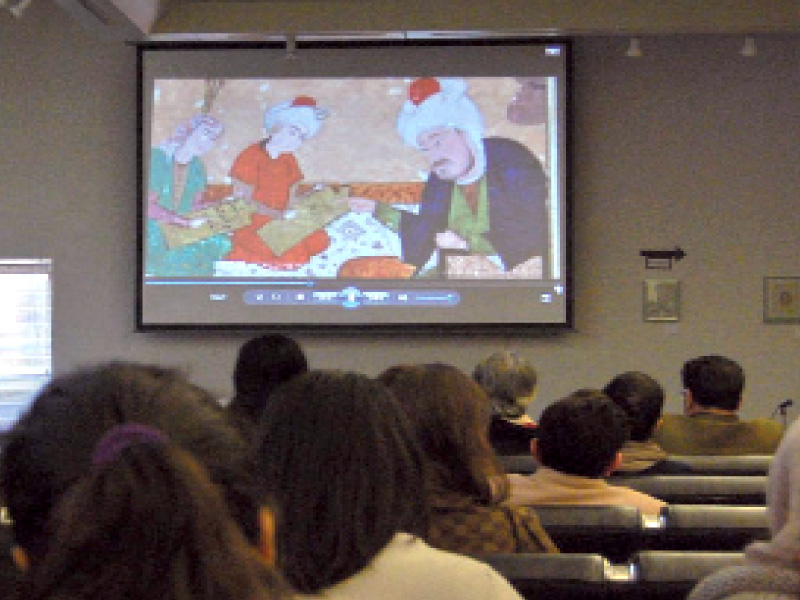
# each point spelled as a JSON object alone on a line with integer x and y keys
{"x": 714, "y": 381}
{"x": 642, "y": 399}
{"x": 337, "y": 456}
{"x": 262, "y": 364}
{"x": 509, "y": 380}
{"x": 582, "y": 433}
{"x": 450, "y": 416}
{"x": 49, "y": 448}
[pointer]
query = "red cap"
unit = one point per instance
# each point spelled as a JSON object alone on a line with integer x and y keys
{"x": 304, "y": 101}
{"x": 422, "y": 89}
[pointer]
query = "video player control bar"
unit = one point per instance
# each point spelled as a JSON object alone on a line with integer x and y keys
{"x": 352, "y": 297}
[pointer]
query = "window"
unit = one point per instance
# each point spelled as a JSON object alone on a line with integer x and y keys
{"x": 25, "y": 334}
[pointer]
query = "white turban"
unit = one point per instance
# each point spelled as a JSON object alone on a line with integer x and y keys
{"x": 301, "y": 112}
{"x": 443, "y": 102}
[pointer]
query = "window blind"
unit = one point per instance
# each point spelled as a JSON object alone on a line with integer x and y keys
{"x": 25, "y": 333}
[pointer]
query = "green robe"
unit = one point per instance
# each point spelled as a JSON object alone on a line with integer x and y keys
{"x": 192, "y": 260}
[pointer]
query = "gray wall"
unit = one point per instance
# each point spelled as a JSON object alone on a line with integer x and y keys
{"x": 692, "y": 144}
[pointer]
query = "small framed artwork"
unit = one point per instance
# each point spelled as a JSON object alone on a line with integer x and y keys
{"x": 782, "y": 299}
{"x": 661, "y": 300}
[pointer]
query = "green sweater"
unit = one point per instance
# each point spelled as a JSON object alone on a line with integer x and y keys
{"x": 711, "y": 434}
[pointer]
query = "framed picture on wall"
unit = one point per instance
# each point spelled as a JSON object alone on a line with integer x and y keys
{"x": 661, "y": 300}
{"x": 782, "y": 299}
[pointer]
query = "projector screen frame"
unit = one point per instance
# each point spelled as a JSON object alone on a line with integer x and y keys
{"x": 520, "y": 327}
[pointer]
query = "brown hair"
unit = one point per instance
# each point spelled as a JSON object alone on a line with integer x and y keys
{"x": 450, "y": 414}
{"x": 337, "y": 456}
{"x": 148, "y": 523}
{"x": 642, "y": 399}
{"x": 49, "y": 448}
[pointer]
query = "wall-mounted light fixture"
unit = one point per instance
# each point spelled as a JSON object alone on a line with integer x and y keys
{"x": 749, "y": 46}
{"x": 634, "y": 49}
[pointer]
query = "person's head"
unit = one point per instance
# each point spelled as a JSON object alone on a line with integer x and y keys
{"x": 444, "y": 123}
{"x": 336, "y": 455}
{"x": 290, "y": 124}
{"x": 145, "y": 521}
{"x": 450, "y": 416}
{"x": 447, "y": 151}
{"x": 642, "y": 399}
{"x": 263, "y": 363}
{"x": 714, "y": 382}
{"x": 581, "y": 434}
{"x": 193, "y": 138}
{"x": 49, "y": 449}
{"x": 509, "y": 380}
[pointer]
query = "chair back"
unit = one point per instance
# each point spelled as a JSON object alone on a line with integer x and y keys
{"x": 553, "y": 576}
{"x": 756, "y": 464}
{"x": 519, "y": 464}
{"x": 665, "y": 575}
{"x": 612, "y": 531}
{"x": 706, "y": 489}
{"x": 708, "y": 527}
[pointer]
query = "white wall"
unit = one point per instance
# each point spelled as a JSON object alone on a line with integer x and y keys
{"x": 690, "y": 145}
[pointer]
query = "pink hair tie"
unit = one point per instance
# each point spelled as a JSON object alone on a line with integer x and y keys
{"x": 123, "y": 436}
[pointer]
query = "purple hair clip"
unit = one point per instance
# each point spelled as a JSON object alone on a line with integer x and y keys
{"x": 120, "y": 437}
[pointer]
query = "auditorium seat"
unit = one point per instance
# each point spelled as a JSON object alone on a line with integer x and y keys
{"x": 613, "y": 531}
{"x": 708, "y": 527}
{"x": 521, "y": 464}
{"x": 701, "y": 489}
{"x": 554, "y": 576}
{"x": 662, "y": 575}
{"x": 725, "y": 465}
{"x": 650, "y": 574}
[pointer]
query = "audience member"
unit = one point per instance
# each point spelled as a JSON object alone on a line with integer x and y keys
{"x": 337, "y": 454}
{"x": 771, "y": 569}
{"x": 263, "y": 363}
{"x": 93, "y": 528}
{"x": 144, "y": 522}
{"x": 450, "y": 416}
{"x": 579, "y": 444}
{"x": 712, "y": 388}
{"x": 642, "y": 399}
{"x": 510, "y": 382}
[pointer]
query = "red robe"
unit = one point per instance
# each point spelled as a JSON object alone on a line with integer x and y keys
{"x": 272, "y": 179}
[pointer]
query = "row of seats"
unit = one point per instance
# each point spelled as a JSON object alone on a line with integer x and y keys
{"x": 608, "y": 552}
{"x": 655, "y": 575}
{"x": 742, "y": 490}
{"x": 617, "y": 532}
{"x": 719, "y": 487}
{"x": 696, "y": 465}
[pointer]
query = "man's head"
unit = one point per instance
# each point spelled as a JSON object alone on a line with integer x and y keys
{"x": 642, "y": 399}
{"x": 713, "y": 382}
{"x": 447, "y": 151}
{"x": 581, "y": 434}
{"x": 444, "y": 123}
{"x": 292, "y": 123}
{"x": 263, "y": 363}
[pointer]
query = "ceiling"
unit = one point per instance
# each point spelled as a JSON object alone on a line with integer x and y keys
{"x": 199, "y": 20}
